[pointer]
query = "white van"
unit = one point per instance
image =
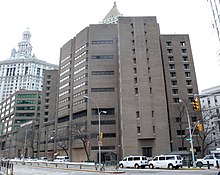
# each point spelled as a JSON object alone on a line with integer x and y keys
{"x": 134, "y": 161}
{"x": 166, "y": 161}
{"x": 62, "y": 159}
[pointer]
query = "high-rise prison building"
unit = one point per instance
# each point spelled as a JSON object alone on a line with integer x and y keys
{"x": 133, "y": 77}
{"x": 22, "y": 70}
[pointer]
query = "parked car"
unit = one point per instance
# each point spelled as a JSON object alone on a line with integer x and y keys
{"x": 212, "y": 159}
{"x": 62, "y": 159}
{"x": 42, "y": 159}
{"x": 166, "y": 161}
{"x": 31, "y": 159}
{"x": 134, "y": 161}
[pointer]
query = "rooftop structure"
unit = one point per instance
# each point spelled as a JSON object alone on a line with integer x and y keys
{"x": 22, "y": 70}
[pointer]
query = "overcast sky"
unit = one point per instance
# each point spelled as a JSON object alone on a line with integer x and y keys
{"x": 53, "y": 22}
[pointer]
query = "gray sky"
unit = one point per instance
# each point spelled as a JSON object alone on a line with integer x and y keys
{"x": 53, "y": 22}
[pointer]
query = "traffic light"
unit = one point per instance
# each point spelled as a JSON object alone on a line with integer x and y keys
{"x": 199, "y": 127}
{"x": 196, "y": 106}
{"x": 101, "y": 136}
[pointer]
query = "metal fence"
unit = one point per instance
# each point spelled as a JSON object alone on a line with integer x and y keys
{"x": 6, "y": 167}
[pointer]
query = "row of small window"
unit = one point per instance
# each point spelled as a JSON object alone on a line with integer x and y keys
{"x": 173, "y": 74}
{"x": 85, "y": 59}
{"x": 65, "y": 65}
{"x": 80, "y": 77}
{"x": 28, "y": 108}
{"x": 67, "y": 70}
{"x": 3, "y": 114}
{"x": 20, "y": 64}
{"x": 175, "y": 91}
{"x": 109, "y": 111}
{"x": 170, "y": 51}
{"x": 139, "y": 130}
{"x": 28, "y": 102}
{"x": 102, "y": 73}
{"x": 80, "y": 85}
{"x": 182, "y": 43}
{"x": 174, "y": 82}
{"x": 81, "y": 55}
{"x": 26, "y": 114}
{"x": 63, "y": 86}
{"x": 135, "y": 70}
{"x": 107, "y": 89}
{"x": 28, "y": 96}
{"x": 103, "y": 122}
{"x": 102, "y": 57}
{"x": 79, "y": 93}
{"x": 103, "y": 42}
{"x": 138, "y": 114}
{"x": 81, "y": 47}
{"x": 133, "y": 42}
{"x": 176, "y": 99}
{"x": 64, "y": 93}
{"x": 136, "y": 91}
{"x": 185, "y": 66}
{"x": 64, "y": 100}
{"x": 134, "y": 51}
{"x": 7, "y": 102}
{"x": 135, "y": 60}
{"x": 20, "y": 79}
{"x": 78, "y": 102}
{"x": 185, "y": 58}
{"x": 66, "y": 58}
{"x": 81, "y": 62}
{"x": 80, "y": 70}
{"x": 65, "y": 78}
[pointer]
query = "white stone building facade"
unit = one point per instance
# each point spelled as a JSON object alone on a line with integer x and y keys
{"x": 22, "y": 70}
{"x": 210, "y": 105}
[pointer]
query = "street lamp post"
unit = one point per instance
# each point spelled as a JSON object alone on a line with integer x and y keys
{"x": 99, "y": 131}
{"x": 190, "y": 134}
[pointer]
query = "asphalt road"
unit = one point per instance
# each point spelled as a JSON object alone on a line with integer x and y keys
{"x": 24, "y": 170}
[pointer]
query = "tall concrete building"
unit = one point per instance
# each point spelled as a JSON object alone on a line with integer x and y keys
{"x": 22, "y": 70}
{"x": 45, "y": 146}
{"x": 30, "y": 115}
{"x": 180, "y": 84}
{"x": 23, "y": 106}
{"x": 132, "y": 77}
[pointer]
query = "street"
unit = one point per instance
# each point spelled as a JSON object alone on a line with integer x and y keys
{"x": 24, "y": 170}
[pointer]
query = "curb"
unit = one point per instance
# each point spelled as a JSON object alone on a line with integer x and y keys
{"x": 77, "y": 169}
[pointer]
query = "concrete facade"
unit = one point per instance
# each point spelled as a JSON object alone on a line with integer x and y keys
{"x": 46, "y": 130}
{"x": 23, "y": 70}
{"x": 19, "y": 114}
{"x": 124, "y": 69}
{"x": 181, "y": 83}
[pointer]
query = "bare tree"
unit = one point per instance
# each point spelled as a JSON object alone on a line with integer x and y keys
{"x": 25, "y": 140}
{"x": 181, "y": 122}
{"x": 80, "y": 132}
{"x": 63, "y": 139}
{"x": 205, "y": 137}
